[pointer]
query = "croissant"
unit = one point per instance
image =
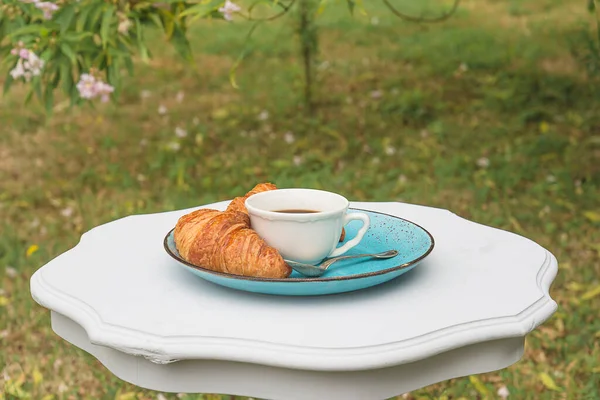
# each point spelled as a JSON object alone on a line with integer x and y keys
{"x": 239, "y": 203}
{"x": 223, "y": 242}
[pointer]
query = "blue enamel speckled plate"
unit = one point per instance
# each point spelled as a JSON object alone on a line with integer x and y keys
{"x": 386, "y": 232}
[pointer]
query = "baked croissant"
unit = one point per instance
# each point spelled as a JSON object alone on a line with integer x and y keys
{"x": 238, "y": 204}
{"x": 223, "y": 241}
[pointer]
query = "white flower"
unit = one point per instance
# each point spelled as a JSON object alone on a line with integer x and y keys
{"x": 161, "y": 396}
{"x": 180, "y": 132}
{"x": 179, "y": 97}
{"x": 196, "y": 121}
{"x": 390, "y": 150}
{"x": 503, "y": 392}
{"x": 463, "y": 67}
{"x": 144, "y": 94}
{"x": 141, "y": 177}
{"x": 289, "y": 137}
{"x": 376, "y": 94}
{"x": 228, "y": 9}
{"x": 264, "y": 115}
{"x": 162, "y": 110}
{"x": 4, "y": 334}
{"x": 18, "y": 71}
{"x": 124, "y": 26}
{"x": 174, "y": 146}
{"x": 2, "y": 292}
{"x": 66, "y": 212}
{"x": 143, "y": 142}
{"x": 402, "y": 179}
{"x": 375, "y": 160}
{"x": 62, "y": 388}
{"x": 11, "y": 272}
{"x": 297, "y": 160}
{"x": 550, "y": 178}
{"x": 483, "y": 162}
{"x": 57, "y": 364}
{"x": 323, "y": 66}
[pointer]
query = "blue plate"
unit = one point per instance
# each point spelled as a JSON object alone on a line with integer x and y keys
{"x": 386, "y": 232}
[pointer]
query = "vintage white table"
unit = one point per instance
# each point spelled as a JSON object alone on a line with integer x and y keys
{"x": 465, "y": 310}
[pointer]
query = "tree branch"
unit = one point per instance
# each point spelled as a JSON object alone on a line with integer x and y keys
{"x": 410, "y": 18}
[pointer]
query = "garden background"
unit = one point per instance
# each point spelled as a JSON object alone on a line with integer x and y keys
{"x": 492, "y": 114}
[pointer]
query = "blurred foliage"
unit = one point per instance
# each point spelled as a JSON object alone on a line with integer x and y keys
{"x": 488, "y": 115}
{"x": 78, "y": 39}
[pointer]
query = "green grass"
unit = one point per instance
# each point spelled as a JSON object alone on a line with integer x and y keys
{"x": 497, "y": 82}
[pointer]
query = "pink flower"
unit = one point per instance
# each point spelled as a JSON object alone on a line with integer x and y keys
{"x": 228, "y": 9}
{"x": 87, "y": 86}
{"x": 90, "y": 87}
{"x": 104, "y": 90}
{"x": 47, "y": 7}
{"x": 24, "y": 53}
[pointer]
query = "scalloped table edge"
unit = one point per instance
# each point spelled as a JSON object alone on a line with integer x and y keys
{"x": 172, "y": 349}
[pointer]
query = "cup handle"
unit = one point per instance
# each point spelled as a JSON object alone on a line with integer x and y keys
{"x": 356, "y": 240}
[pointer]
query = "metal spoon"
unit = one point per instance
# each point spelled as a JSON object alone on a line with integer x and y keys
{"x": 318, "y": 270}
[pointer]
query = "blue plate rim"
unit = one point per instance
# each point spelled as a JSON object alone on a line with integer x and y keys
{"x": 316, "y": 279}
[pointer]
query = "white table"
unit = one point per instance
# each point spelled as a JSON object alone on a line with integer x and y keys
{"x": 465, "y": 310}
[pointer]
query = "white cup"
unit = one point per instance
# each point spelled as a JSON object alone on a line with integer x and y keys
{"x": 303, "y": 237}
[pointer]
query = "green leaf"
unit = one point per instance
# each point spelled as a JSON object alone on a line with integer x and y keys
{"x": 66, "y": 76}
{"x": 65, "y": 16}
{"x": 592, "y": 216}
{"x": 83, "y": 17}
{"x": 74, "y": 37}
{"x": 49, "y": 98}
{"x": 28, "y": 97}
{"x": 68, "y": 51}
{"x": 242, "y": 55}
{"x": 590, "y": 294}
{"x": 548, "y": 382}
{"x": 200, "y": 10}
{"x": 37, "y": 87}
{"x": 479, "y": 386}
{"x": 181, "y": 43}
{"x": 168, "y": 22}
{"x": 107, "y": 18}
{"x": 156, "y": 19}
{"x": 8, "y": 83}
{"x": 30, "y": 29}
{"x": 140, "y": 40}
{"x": 591, "y": 5}
{"x": 351, "y": 5}
{"x": 129, "y": 65}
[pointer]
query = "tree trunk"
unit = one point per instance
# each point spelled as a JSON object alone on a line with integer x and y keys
{"x": 307, "y": 32}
